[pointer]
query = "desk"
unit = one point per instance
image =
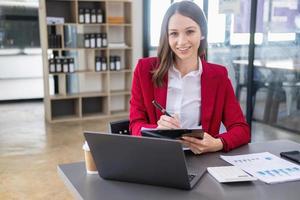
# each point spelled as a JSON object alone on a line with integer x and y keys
{"x": 284, "y": 64}
{"x": 90, "y": 187}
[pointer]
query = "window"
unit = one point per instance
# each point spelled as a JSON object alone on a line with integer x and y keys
{"x": 19, "y": 25}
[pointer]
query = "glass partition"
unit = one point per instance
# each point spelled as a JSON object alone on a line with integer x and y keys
{"x": 277, "y": 66}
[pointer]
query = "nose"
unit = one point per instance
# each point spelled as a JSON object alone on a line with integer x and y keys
{"x": 182, "y": 39}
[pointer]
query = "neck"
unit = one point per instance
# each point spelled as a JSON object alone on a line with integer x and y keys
{"x": 186, "y": 66}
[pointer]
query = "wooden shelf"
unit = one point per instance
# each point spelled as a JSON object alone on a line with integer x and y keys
{"x": 65, "y": 99}
{"x": 121, "y": 71}
{"x": 119, "y": 92}
{"x": 84, "y": 72}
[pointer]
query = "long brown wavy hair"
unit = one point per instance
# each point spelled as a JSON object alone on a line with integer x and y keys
{"x": 165, "y": 54}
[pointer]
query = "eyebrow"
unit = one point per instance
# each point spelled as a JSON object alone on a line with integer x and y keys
{"x": 190, "y": 27}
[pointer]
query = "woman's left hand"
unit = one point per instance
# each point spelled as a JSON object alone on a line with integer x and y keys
{"x": 207, "y": 144}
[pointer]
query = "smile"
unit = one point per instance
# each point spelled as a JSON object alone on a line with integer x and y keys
{"x": 183, "y": 48}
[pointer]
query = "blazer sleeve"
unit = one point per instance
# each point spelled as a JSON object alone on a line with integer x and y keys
{"x": 238, "y": 132}
{"x": 138, "y": 112}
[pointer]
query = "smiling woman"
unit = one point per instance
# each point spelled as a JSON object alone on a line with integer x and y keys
{"x": 196, "y": 93}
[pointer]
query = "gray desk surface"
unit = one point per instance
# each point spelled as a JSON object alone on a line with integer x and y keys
{"x": 88, "y": 187}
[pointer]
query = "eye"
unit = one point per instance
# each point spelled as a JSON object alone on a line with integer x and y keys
{"x": 173, "y": 34}
{"x": 190, "y": 31}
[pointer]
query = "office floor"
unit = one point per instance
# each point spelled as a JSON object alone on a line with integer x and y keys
{"x": 31, "y": 149}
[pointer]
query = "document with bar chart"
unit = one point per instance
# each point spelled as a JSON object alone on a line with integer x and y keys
{"x": 266, "y": 167}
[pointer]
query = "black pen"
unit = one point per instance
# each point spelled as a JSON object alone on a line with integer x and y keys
{"x": 159, "y": 107}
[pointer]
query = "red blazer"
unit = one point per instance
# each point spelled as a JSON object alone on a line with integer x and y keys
{"x": 218, "y": 103}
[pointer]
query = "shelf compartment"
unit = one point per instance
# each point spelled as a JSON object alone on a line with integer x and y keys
{"x": 65, "y": 108}
{"x": 90, "y": 4}
{"x": 125, "y": 56}
{"x": 86, "y": 83}
{"x": 94, "y": 106}
{"x": 55, "y": 36}
{"x": 120, "y": 82}
{"x": 119, "y": 104}
{"x": 64, "y": 8}
{"x": 119, "y": 36}
{"x": 119, "y": 12}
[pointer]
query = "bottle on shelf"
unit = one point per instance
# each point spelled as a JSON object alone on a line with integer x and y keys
{"x": 81, "y": 15}
{"x": 99, "y": 16}
{"x": 65, "y": 65}
{"x": 87, "y": 16}
{"x": 98, "y": 64}
{"x": 87, "y": 40}
{"x": 93, "y": 16}
{"x": 104, "y": 39}
{"x": 51, "y": 65}
{"x": 118, "y": 63}
{"x": 92, "y": 41}
{"x": 112, "y": 63}
{"x": 98, "y": 40}
{"x": 103, "y": 64}
{"x": 58, "y": 65}
{"x": 71, "y": 65}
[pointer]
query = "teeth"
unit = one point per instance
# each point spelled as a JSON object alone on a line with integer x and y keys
{"x": 183, "y": 49}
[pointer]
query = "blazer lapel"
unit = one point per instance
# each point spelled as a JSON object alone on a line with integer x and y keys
{"x": 208, "y": 95}
{"x": 160, "y": 95}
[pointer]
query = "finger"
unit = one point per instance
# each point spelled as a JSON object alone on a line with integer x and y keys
{"x": 193, "y": 147}
{"x": 192, "y": 140}
{"x": 166, "y": 124}
{"x": 176, "y": 116}
{"x": 170, "y": 120}
{"x": 195, "y": 151}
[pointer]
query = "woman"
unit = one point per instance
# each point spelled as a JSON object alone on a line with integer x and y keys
{"x": 193, "y": 90}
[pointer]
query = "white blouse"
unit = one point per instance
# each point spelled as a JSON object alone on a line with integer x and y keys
{"x": 184, "y": 96}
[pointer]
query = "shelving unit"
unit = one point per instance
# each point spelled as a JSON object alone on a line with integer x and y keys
{"x": 82, "y": 92}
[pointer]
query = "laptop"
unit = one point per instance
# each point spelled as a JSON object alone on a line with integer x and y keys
{"x": 153, "y": 161}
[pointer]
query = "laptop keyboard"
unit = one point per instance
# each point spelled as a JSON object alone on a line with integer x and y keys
{"x": 191, "y": 177}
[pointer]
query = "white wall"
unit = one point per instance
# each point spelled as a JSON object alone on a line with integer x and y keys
{"x": 137, "y": 32}
{"x": 21, "y": 75}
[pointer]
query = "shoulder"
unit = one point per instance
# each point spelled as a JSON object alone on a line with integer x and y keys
{"x": 146, "y": 65}
{"x": 216, "y": 69}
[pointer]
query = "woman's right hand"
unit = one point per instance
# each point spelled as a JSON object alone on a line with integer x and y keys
{"x": 166, "y": 122}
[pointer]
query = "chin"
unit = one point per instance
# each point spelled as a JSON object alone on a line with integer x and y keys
{"x": 183, "y": 57}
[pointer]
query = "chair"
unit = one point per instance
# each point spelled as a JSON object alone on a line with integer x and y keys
{"x": 119, "y": 127}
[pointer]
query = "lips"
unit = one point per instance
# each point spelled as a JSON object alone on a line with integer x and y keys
{"x": 183, "y": 49}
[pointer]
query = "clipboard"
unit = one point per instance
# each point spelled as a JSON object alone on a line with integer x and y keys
{"x": 173, "y": 133}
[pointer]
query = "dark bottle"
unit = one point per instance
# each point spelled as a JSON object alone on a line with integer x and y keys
{"x": 98, "y": 64}
{"x": 118, "y": 62}
{"x": 87, "y": 41}
{"x": 92, "y": 41}
{"x": 87, "y": 16}
{"x": 58, "y": 65}
{"x": 112, "y": 63}
{"x": 65, "y": 65}
{"x": 103, "y": 64}
{"x": 81, "y": 16}
{"x": 99, "y": 16}
{"x": 98, "y": 40}
{"x": 104, "y": 40}
{"x": 93, "y": 16}
{"x": 51, "y": 65}
{"x": 71, "y": 65}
